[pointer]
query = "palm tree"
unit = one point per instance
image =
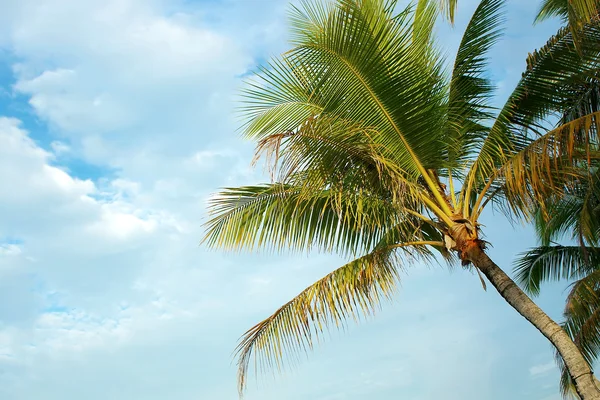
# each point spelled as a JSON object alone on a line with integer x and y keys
{"x": 379, "y": 155}
{"x": 579, "y": 213}
{"x": 576, "y": 211}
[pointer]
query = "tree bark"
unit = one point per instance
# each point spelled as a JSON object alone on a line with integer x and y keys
{"x": 585, "y": 382}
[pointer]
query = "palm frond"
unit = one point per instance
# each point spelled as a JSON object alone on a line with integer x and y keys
{"x": 574, "y": 213}
{"x": 544, "y": 167}
{"x": 333, "y": 153}
{"x": 552, "y": 263}
{"x": 575, "y": 13}
{"x": 582, "y": 314}
{"x": 424, "y": 20}
{"x": 449, "y": 9}
{"x": 559, "y": 219}
{"x": 584, "y": 10}
{"x": 282, "y": 217}
{"x": 566, "y": 384}
{"x": 354, "y": 290}
{"x": 470, "y": 90}
{"x": 544, "y": 88}
{"x": 358, "y": 62}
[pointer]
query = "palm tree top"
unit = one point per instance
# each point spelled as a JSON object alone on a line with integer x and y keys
{"x": 382, "y": 155}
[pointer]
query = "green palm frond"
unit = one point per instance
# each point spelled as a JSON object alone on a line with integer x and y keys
{"x": 356, "y": 289}
{"x": 582, "y": 96}
{"x": 552, "y": 263}
{"x": 425, "y": 16}
{"x": 283, "y": 217}
{"x": 575, "y": 212}
{"x": 470, "y": 89}
{"x": 582, "y": 314}
{"x": 357, "y": 62}
{"x": 585, "y": 10}
{"x": 566, "y": 384}
{"x": 560, "y": 219}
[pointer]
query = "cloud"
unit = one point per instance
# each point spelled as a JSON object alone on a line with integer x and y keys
{"x": 104, "y": 291}
{"x": 542, "y": 369}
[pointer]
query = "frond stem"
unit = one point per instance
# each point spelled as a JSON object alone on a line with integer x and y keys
{"x": 438, "y": 211}
{"x": 451, "y": 189}
{"x": 418, "y": 243}
{"x": 476, "y": 209}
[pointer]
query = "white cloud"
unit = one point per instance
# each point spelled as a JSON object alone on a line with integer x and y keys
{"x": 9, "y": 249}
{"x": 104, "y": 291}
{"x": 542, "y": 369}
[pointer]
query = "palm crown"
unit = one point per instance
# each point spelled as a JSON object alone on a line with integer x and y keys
{"x": 379, "y": 154}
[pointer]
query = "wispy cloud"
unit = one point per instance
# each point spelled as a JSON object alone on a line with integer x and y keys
{"x": 542, "y": 369}
{"x": 104, "y": 291}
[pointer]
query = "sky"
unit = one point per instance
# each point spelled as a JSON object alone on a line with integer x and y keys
{"x": 116, "y": 124}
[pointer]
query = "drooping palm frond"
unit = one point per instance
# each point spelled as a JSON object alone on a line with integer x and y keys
{"x": 567, "y": 215}
{"x": 354, "y": 290}
{"x": 283, "y": 217}
{"x": 545, "y": 166}
{"x": 575, "y": 13}
{"x": 576, "y": 211}
{"x": 332, "y": 153}
{"x": 448, "y": 8}
{"x": 585, "y": 10}
{"x": 552, "y": 263}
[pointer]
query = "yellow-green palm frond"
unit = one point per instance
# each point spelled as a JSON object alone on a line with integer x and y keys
{"x": 279, "y": 217}
{"x": 546, "y": 166}
{"x": 354, "y": 290}
{"x": 585, "y": 10}
{"x": 326, "y": 153}
{"x": 448, "y": 8}
{"x": 544, "y": 91}
{"x": 575, "y": 13}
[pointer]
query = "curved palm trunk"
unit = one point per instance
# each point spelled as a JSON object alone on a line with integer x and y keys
{"x": 580, "y": 371}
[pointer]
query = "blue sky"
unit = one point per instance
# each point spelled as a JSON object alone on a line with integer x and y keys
{"x": 116, "y": 125}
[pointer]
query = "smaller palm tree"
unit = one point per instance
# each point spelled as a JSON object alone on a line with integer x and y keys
{"x": 579, "y": 213}
{"x": 575, "y": 212}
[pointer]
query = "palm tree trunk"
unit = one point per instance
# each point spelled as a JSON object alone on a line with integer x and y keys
{"x": 578, "y": 367}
